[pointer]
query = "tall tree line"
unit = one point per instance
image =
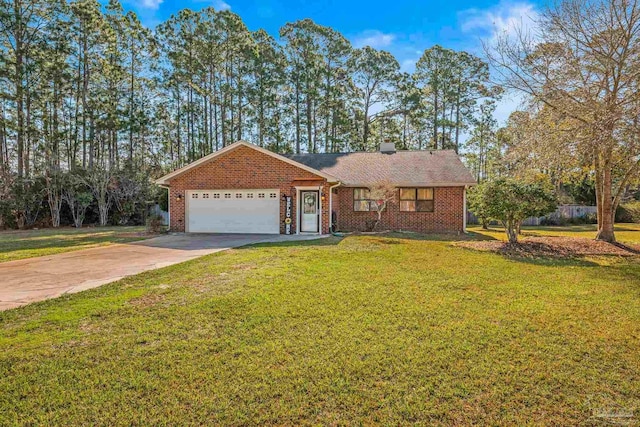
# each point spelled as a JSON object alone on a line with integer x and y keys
{"x": 85, "y": 84}
{"x": 86, "y": 88}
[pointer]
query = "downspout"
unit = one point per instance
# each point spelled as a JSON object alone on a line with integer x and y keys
{"x": 168, "y": 204}
{"x": 331, "y": 206}
{"x": 464, "y": 210}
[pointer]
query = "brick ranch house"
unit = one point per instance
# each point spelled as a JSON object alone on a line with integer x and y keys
{"x": 244, "y": 188}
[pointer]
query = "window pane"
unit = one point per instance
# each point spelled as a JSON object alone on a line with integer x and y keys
{"x": 407, "y": 206}
{"x": 361, "y": 205}
{"x": 425, "y": 193}
{"x": 360, "y": 194}
{"x": 425, "y": 206}
{"x": 407, "y": 194}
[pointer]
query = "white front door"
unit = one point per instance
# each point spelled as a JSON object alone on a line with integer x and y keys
{"x": 309, "y": 212}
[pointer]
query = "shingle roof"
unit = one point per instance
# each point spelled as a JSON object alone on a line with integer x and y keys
{"x": 402, "y": 168}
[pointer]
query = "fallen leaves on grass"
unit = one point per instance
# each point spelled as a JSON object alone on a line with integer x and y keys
{"x": 147, "y": 300}
{"x": 552, "y": 247}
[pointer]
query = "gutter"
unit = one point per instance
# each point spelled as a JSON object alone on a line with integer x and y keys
{"x": 331, "y": 205}
{"x": 464, "y": 210}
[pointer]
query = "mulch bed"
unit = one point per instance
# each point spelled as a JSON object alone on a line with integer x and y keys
{"x": 553, "y": 247}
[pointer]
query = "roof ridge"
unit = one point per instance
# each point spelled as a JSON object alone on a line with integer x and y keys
{"x": 374, "y": 152}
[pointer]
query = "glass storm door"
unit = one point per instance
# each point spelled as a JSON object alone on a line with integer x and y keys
{"x": 309, "y": 214}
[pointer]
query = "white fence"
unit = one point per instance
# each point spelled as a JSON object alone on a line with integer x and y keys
{"x": 155, "y": 210}
{"x": 563, "y": 211}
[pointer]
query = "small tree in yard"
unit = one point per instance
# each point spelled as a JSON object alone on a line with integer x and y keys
{"x": 511, "y": 202}
{"x": 381, "y": 195}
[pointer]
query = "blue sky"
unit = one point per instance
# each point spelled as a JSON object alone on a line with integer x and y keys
{"x": 403, "y": 27}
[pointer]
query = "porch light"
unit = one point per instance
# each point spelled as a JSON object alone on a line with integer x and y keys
{"x": 323, "y": 197}
{"x": 179, "y": 197}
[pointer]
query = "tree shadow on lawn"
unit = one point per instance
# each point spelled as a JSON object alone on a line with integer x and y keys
{"x": 559, "y": 251}
{"x": 545, "y": 255}
{"x": 321, "y": 241}
{"x": 60, "y": 241}
{"x": 438, "y": 237}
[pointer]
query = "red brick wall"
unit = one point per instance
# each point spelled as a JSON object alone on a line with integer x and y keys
{"x": 447, "y": 216}
{"x": 243, "y": 168}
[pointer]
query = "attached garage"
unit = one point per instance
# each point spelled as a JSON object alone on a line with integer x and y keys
{"x": 233, "y": 211}
{"x": 246, "y": 189}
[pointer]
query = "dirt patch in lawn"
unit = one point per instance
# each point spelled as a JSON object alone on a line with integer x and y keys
{"x": 128, "y": 234}
{"x": 147, "y": 300}
{"x": 553, "y": 247}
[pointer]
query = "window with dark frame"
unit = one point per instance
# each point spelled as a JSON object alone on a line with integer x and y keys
{"x": 416, "y": 200}
{"x": 362, "y": 201}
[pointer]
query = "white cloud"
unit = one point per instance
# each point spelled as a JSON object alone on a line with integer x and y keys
{"x": 505, "y": 18}
{"x": 408, "y": 65}
{"x": 509, "y": 103}
{"x": 374, "y": 38}
{"x": 150, "y": 4}
{"x": 221, "y": 5}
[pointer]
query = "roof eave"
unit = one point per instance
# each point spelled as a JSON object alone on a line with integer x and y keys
{"x": 413, "y": 184}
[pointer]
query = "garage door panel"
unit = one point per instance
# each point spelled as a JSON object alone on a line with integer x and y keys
{"x": 234, "y": 211}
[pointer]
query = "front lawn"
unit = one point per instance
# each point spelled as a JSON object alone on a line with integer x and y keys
{"x": 625, "y": 233}
{"x": 32, "y": 243}
{"x": 366, "y": 330}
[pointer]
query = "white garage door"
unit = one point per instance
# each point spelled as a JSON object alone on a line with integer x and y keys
{"x": 233, "y": 211}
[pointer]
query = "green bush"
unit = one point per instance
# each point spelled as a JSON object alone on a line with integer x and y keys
{"x": 590, "y": 218}
{"x": 511, "y": 202}
{"x": 628, "y": 212}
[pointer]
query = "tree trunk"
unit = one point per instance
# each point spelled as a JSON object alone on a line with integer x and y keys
{"x": 435, "y": 117}
{"x": 365, "y": 131}
{"x": 309, "y": 112}
{"x": 297, "y": 85}
{"x": 18, "y": 81}
{"x": 605, "y": 202}
{"x": 510, "y": 229}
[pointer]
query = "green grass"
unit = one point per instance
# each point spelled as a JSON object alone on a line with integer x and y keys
{"x": 625, "y": 233}
{"x": 16, "y": 245}
{"x": 364, "y": 330}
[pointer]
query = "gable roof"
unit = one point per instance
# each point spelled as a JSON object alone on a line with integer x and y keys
{"x": 164, "y": 180}
{"x": 438, "y": 168}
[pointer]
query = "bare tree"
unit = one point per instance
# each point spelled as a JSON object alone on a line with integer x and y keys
{"x": 98, "y": 180}
{"x": 53, "y": 187}
{"x": 78, "y": 197}
{"x": 583, "y": 61}
{"x": 381, "y": 194}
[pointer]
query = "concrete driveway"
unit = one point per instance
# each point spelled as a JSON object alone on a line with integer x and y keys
{"x": 36, "y": 279}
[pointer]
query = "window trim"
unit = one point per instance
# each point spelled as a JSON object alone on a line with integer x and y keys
{"x": 417, "y": 200}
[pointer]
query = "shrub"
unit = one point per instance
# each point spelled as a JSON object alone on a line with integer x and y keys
{"x": 511, "y": 202}
{"x": 589, "y": 218}
{"x": 628, "y": 212}
{"x": 155, "y": 224}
